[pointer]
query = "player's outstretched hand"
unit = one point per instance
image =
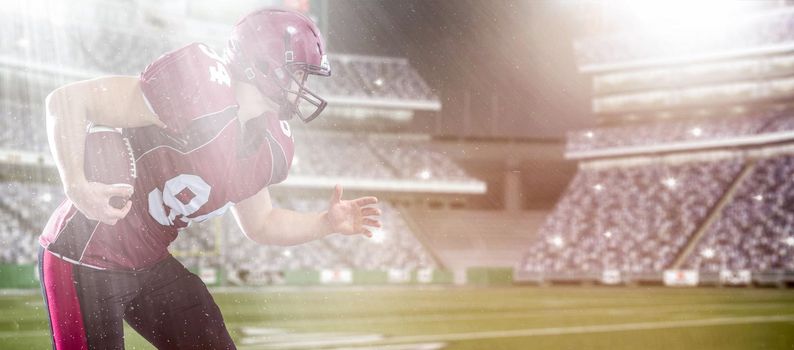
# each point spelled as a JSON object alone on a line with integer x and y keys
{"x": 94, "y": 199}
{"x": 351, "y": 217}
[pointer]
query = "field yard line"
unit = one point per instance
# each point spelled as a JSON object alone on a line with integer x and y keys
{"x": 422, "y": 346}
{"x": 20, "y": 292}
{"x": 425, "y": 346}
{"x": 532, "y": 332}
{"x": 292, "y": 337}
{"x": 528, "y": 314}
{"x": 26, "y": 334}
{"x": 314, "y": 343}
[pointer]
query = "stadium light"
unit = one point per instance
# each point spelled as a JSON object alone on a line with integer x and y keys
{"x": 378, "y": 236}
{"x": 23, "y": 43}
{"x": 670, "y": 20}
{"x": 696, "y": 131}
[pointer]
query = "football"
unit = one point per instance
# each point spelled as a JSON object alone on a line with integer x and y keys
{"x": 109, "y": 159}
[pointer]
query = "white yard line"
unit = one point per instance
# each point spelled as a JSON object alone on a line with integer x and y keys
{"x": 299, "y": 342}
{"x": 302, "y": 337}
{"x": 24, "y": 334}
{"x": 422, "y": 346}
{"x": 533, "y": 332}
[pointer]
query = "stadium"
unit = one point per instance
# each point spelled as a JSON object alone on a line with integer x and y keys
{"x": 550, "y": 174}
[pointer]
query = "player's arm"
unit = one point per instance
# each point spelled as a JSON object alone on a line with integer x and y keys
{"x": 112, "y": 101}
{"x": 274, "y": 226}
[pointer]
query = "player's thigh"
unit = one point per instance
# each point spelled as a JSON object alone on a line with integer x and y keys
{"x": 103, "y": 295}
{"x": 176, "y": 311}
{"x": 84, "y": 306}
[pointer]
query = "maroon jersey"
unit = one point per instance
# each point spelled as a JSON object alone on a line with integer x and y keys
{"x": 193, "y": 170}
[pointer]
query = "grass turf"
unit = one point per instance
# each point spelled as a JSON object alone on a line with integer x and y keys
{"x": 494, "y": 318}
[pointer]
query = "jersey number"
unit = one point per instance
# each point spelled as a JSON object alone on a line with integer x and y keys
{"x": 218, "y": 72}
{"x": 182, "y": 195}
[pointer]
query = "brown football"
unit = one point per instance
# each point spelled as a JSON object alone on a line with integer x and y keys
{"x": 109, "y": 159}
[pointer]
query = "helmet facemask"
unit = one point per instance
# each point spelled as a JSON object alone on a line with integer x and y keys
{"x": 294, "y": 91}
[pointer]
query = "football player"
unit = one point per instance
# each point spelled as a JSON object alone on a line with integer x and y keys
{"x": 209, "y": 133}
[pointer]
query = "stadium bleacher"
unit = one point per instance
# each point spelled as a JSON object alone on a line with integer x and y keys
{"x": 24, "y": 207}
{"x": 414, "y": 159}
{"x": 754, "y": 232}
{"x": 661, "y": 97}
{"x": 316, "y": 155}
{"x": 632, "y": 217}
{"x": 22, "y": 127}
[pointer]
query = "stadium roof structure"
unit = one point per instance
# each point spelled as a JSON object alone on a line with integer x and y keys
{"x": 746, "y": 34}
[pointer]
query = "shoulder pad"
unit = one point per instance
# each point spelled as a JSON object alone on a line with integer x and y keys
{"x": 188, "y": 84}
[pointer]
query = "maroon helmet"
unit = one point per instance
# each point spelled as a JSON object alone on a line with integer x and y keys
{"x": 269, "y": 46}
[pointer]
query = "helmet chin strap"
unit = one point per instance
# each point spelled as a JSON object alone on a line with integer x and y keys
{"x": 287, "y": 110}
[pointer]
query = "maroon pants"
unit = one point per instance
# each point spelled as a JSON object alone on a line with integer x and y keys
{"x": 167, "y": 304}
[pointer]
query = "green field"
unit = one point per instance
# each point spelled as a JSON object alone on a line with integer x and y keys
{"x": 474, "y": 318}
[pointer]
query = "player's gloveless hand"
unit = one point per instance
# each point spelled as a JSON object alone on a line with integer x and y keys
{"x": 93, "y": 200}
{"x": 351, "y": 217}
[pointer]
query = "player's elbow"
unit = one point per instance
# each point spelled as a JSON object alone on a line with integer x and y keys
{"x": 252, "y": 233}
{"x": 261, "y": 236}
{"x": 54, "y": 103}
{"x": 255, "y": 230}
{"x": 62, "y": 104}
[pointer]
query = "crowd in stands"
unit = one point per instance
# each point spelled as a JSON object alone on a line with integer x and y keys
{"x": 24, "y": 209}
{"x": 665, "y": 132}
{"x": 415, "y": 159}
{"x": 629, "y": 217}
{"x": 89, "y": 46}
{"x": 756, "y": 230}
{"x": 22, "y": 127}
{"x": 341, "y": 155}
{"x": 375, "y": 78}
{"x": 18, "y": 246}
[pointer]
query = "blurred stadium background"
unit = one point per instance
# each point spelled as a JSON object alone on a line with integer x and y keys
{"x": 514, "y": 144}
